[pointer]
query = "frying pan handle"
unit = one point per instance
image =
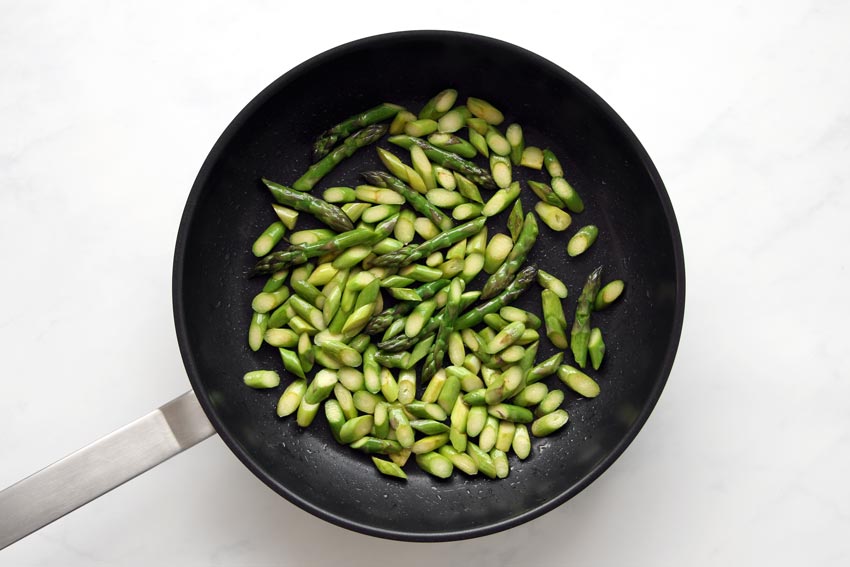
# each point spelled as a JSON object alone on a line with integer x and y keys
{"x": 94, "y": 470}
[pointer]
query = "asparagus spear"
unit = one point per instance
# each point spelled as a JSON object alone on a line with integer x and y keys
{"x": 519, "y": 284}
{"x": 298, "y": 254}
{"x": 360, "y": 139}
{"x": 328, "y": 139}
{"x": 415, "y": 199}
{"x": 447, "y": 159}
{"x": 325, "y": 212}
{"x": 445, "y": 239}
{"x": 500, "y": 278}
{"x": 580, "y": 334}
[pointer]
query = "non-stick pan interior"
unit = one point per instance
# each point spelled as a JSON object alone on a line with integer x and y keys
{"x": 639, "y": 243}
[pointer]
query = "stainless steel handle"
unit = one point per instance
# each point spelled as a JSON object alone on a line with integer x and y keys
{"x": 94, "y": 470}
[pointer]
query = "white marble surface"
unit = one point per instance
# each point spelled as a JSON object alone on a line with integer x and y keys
{"x": 107, "y": 110}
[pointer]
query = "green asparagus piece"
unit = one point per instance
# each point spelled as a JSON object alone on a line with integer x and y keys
{"x": 580, "y": 334}
{"x": 482, "y": 460}
{"x": 521, "y": 443}
{"x": 500, "y": 279}
{"x": 429, "y": 426}
{"x": 355, "y": 210}
{"x": 467, "y": 188}
{"x": 445, "y": 177}
{"x": 325, "y": 212}
{"x": 388, "y": 468}
{"x": 421, "y": 273}
{"x": 290, "y": 400}
{"x": 429, "y": 443}
{"x": 484, "y": 110}
{"x": 553, "y": 166}
{"x": 265, "y": 301}
{"x": 381, "y": 420}
{"x": 505, "y": 337}
{"x": 268, "y": 239}
{"x": 555, "y": 319}
{"x": 306, "y": 354}
{"x": 567, "y": 194}
{"x": 550, "y": 282}
{"x": 444, "y": 198}
{"x": 608, "y": 294}
{"x": 448, "y": 160}
{"x": 356, "y": 429}
{"x": 261, "y": 379}
{"x": 426, "y": 410}
{"x": 553, "y": 217}
{"x": 544, "y": 369}
{"x": 531, "y": 395}
{"x": 476, "y": 397}
{"x": 549, "y": 423}
{"x": 339, "y": 195}
{"x": 306, "y": 413}
{"x": 545, "y": 194}
{"x": 505, "y": 435}
{"x": 500, "y": 169}
{"x": 442, "y": 102}
{"x": 372, "y": 445}
{"x": 550, "y": 403}
{"x": 286, "y": 215}
{"x": 515, "y": 138}
{"x": 582, "y": 240}
{"x": 360, "y": 139}
{"x": 257, "y": 330}
{"x": 421, "y": 127}
{"x": 346, "y": 401}
{"x": 435, "y": 464}
{"x": 401, "y": 425}
{"x": 497, "y": 143}
{"x": 515, "y": 220}
{"x": 452, "y": 143}
{"x": 328, "y": 139}
{"x": 478, "y": 141}
{"x": 453, "y": 120}
{"x": 366, "y": 401}
{"x": 423, "y": 166}
{"x": 497, "y": 250}
{"x": 487, "y": 439}
{"x": 578, "y": 381}
{"x": 532, "y": 157}
{"x": 459, "y": 459}
{"x": 414, "y": 199}
{"x": 321, "y": 386}
{"x": 596, "y": 347}
{"x": 291, "y": 362}
{"x": 400, "y": 121}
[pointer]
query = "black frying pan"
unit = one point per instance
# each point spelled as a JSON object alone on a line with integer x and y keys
{"x": 639, "y": 242}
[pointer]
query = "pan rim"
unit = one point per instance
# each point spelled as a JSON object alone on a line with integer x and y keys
{"x": 188, "y": 356}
